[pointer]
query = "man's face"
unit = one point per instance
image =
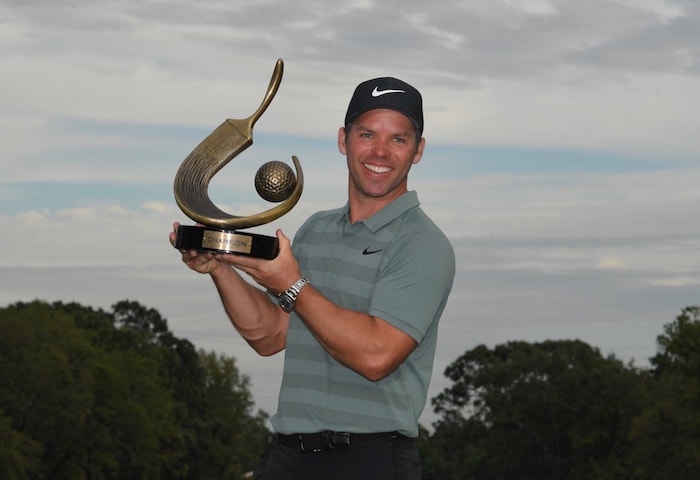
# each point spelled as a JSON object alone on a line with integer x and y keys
{"x": 380, "y": 147}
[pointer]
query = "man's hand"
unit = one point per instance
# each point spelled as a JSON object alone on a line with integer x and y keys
{"x": 276, "y": 275}
{"x": 259, "y": 321}
{"x": 202, "y": 262}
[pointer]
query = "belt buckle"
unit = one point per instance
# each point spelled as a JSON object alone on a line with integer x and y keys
{"x": 336, "y": 439}
{"x": 323, "y": 441}
{"x": 308, "y": 447}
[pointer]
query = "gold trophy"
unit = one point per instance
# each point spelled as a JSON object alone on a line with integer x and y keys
{"x": 217, "y": 231}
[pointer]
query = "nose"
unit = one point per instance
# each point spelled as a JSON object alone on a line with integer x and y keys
{"x": 380, "y": 148}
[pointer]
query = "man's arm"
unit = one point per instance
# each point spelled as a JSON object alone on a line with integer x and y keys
{"x": 259, "y": 321}
{"x": 369, "y": 345}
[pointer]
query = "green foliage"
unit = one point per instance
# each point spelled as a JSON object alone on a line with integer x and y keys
{"x": 225, "y": 425}
{"x": 86, "y": 394}
{"x": 679, "y": 347}
{"x": 20, "y": 456}
{"x": 560, "y": 410}
{"x": 89, "y": 394}
{"x": 550, "y": 410}
{"x": 666, "y": 436}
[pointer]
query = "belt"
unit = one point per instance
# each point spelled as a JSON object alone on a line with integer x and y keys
{"x": 328, "y": 440}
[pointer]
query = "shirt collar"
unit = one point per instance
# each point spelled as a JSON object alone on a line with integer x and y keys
{"x": 390, "y": 212}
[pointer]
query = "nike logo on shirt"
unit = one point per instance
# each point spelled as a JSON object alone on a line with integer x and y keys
{"x": 367, "y": 251}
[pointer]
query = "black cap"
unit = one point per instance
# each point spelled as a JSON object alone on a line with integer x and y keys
{"x": 387, "y": 92}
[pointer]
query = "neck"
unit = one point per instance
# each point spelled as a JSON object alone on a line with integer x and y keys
{"x": 361, "y": 208}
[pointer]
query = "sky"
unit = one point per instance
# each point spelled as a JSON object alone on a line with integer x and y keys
{"x": 561, "y": 154}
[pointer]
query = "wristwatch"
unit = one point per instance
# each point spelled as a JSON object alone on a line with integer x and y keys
{"x": 287, "y": 298}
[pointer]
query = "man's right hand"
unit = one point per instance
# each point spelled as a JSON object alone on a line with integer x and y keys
{"x": 202, "y": 262}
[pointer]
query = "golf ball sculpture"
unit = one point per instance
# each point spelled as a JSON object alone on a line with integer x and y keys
{"x": 275, "y": 181}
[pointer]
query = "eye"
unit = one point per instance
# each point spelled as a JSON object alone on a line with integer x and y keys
{"x": 399, "y": 140}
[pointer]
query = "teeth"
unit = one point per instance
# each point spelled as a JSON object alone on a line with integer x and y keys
{"x": 377, "y": 168}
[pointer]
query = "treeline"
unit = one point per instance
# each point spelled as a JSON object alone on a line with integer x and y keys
{"x": 559, "y": 410}
{"x": 95, "y": 395}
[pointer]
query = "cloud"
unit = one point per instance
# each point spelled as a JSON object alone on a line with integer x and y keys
{"x": 610, "y": 263}
{"x": 561, "y": 151}
{"x": 33, "y": 218}
{"x": 674, "y": 282}
{"x": 157, "y": 207}
{"x": 84, "y": 214}
{"x": 561, "y": 73}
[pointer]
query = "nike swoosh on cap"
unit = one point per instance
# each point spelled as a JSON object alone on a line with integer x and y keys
{"x": 367, "y": 251}
{"x": 378, "y": 93}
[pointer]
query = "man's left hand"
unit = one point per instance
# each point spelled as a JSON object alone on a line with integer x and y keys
{"x": 276, "y": 275}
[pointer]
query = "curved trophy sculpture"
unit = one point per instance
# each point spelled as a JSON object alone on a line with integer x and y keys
{"x": 217, "y": 231}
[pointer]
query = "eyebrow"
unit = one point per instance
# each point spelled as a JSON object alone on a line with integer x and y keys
{"x": 404, "y": 133}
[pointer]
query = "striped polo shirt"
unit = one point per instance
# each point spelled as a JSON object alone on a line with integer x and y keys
{"x": 396, "y": 265}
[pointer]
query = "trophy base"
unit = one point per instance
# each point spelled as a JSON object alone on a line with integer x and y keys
{"x": 219, "y": 240}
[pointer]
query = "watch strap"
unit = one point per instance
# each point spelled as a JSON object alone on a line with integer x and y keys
{"x": 296, "y": 287}
{"x": 292, "y": 292}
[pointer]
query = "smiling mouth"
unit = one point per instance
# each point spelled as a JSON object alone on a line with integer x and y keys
{"x": 377, "y": 168}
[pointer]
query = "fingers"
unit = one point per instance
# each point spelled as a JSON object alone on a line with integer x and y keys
{"x": 202, "y": 262}
{"x": 242, "y": 262}
{"x": 283, "y": 240}
{"x": 173, "y": 235}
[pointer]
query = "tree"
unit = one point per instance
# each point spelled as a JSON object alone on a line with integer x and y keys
{"x": 550, "y": 410}
{"x": 666, "y": 435}
{"x": 229, "y": 439}
{"x": 89, "y": 394}
{"x": 96, "y": 413}
{"x": 19, "y": 454}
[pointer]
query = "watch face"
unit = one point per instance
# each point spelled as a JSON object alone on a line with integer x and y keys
{"x": 285, "y": 302}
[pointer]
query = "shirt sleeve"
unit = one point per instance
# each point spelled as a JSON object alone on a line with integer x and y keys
{"x": 415, "y": 283}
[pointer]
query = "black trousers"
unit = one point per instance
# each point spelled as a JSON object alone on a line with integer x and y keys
{"x": 383, "y": 458}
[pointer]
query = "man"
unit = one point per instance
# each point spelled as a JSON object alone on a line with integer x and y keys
{"x": 355, "y": 301}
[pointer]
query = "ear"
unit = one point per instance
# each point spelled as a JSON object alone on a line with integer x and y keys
{"x": 341, "y": 141}
{"x": 419, "y": 151}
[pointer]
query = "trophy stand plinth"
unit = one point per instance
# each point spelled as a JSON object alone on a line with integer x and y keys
{"x": 219, "y": 240}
